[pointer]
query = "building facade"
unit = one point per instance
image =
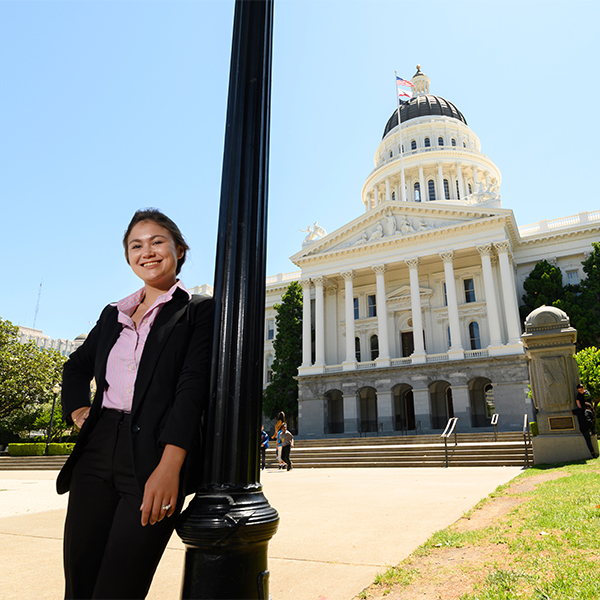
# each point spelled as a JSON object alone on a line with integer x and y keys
{"x": 41, "y": 340}
{"x": 411, "y": 309}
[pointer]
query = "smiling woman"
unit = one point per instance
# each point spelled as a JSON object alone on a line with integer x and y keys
{"x": 133, "y": 461}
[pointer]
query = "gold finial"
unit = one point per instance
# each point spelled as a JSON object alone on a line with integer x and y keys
{"x": 418, "y": 67}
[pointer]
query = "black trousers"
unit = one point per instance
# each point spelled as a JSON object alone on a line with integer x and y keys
{"x": 107, "y": 552}
{"x": 285, "y": 456}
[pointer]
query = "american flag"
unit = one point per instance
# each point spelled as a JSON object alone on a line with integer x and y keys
{"x": 404, "y": 82}
{"x": 404, "y": 93}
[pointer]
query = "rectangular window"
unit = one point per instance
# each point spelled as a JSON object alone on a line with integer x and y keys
{"x": 445, "y": 295}
{"x": 572, "y": 277}
{"x": 469, "y": 290}
{"x": 372, "y": 305}
{"x": 271, "y": 329}
{"x": 356, "y": 317}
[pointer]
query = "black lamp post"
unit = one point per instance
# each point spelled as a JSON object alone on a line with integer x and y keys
{"x": 228, "y": 525}
{"x": 56, "y": 392}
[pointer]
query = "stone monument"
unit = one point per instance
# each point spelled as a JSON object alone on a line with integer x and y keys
{"x": 549, "y": 341}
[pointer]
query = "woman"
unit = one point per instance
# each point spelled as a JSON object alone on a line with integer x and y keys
{"x": 280, "y": 421}
{"x": 131, "y": 466}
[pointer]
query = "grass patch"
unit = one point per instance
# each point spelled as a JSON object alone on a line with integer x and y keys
{"x": 545, "y": 547}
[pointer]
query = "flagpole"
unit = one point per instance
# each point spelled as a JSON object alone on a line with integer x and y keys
{"x": 401, "y": 145}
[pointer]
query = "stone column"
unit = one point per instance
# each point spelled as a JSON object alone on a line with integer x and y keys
{"x": 422, "y": 403}
{"x": 350, "y": 363}
{"x": 424, "y": 192}
{"x": 403, "y": 186}
{"x": 382, "y": 330}
{"x": 461, "y": 182}
{"x": 475, "y": 178}
{"x": 351, "y": 413}
{"x": 388, "y": 191}
{"x": 509, "y": 294}
{"x": 306, "y": 323}
{"x": 456, "y": 351}
{"x": 441, "y": 182}
{"x": 490, "y": 295}
{"x": 375, "y": 197}
{"x": 461, "y": 401}
{"x": 319, "y": 321}
{"x": 418, "y": 355}
{"x": 385, "y": 410}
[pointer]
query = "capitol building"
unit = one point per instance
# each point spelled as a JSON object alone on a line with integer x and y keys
{"x": 410, "y": 311}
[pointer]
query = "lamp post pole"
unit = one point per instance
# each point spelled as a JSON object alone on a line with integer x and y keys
{"x": 228, "y": 525}
{"x": 55, "y": 391}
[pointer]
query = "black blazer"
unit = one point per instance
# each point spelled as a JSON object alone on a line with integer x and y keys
{"x": 171, "y": 387}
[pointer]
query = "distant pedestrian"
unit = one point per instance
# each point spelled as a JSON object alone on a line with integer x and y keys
{"x": 276, "y": 436}
{"x": 280, "y": 421}
{"x": 584, "y": 412}
{"x": 264, "y": 444}
{"x": 287, "y": 441}
{"x": 279, "y": 447}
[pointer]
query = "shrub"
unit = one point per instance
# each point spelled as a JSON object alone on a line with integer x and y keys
{"x": 38, "y": 449}
{"x": 533, "y": 427}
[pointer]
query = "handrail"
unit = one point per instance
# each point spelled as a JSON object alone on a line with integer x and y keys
{"x": 495, "y": 424}
{"x": 450, "y": 429}
{"x": 526, "y": 438}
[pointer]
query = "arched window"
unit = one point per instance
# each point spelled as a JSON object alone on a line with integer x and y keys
{"x": 474, "y": 335}
{"x": 470, "y": 189}
{"x": 374, "y": 347}
{"x": 457, "y": 190}
{"x": 464, "y": 144}
{"x": 453, "y": 142}
{"x": 413, "y": 145}
{"x": 440, "y": 141}
{"x": 393, "y": 196}
{"x": 427, "y": 143}
{"x": 417, "y": 189}
{"x": 269, "y": 368}
{"x": 431, "y": 185}
{"x": 391, "y": 154}
{"x": 357, "y": 349}
{"x": 446, "y": 189}
{"x": 402, "y": 148}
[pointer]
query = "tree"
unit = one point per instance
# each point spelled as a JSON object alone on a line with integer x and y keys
{"x": 282, "y": 392}
{"x": 27, "y": 375}
{"x": 581, "y": 302}
{"x": 588, "y": 361}
{"x": 543, "y": 286}
{"x": 590, "y": 295}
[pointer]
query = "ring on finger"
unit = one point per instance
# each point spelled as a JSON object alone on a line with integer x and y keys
{"x": 166, "y": 506}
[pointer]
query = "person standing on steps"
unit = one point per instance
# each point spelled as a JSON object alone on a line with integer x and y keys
{"x": 264, "y": 444}
{"x": 287, "y": 441}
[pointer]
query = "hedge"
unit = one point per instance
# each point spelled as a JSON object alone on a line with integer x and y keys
{"x": 38, "y": 449}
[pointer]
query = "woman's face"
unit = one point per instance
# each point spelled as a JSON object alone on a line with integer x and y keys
{"x": 153, "y": 255}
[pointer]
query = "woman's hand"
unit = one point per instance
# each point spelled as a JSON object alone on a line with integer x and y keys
{"x": 80, "y": 415}
{"x": 162, "y": 487}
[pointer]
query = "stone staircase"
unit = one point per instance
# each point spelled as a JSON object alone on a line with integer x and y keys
{"x": 472, "y": 450}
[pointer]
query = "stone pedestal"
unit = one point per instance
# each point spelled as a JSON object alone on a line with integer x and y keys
{"x": 549, "y": 341}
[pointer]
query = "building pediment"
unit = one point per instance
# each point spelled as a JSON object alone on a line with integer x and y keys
{"x": 399, "y": 299}
{"x": 396, "y": 223}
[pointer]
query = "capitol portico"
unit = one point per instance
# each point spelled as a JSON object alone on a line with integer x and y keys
{"x": 410, "y": 312}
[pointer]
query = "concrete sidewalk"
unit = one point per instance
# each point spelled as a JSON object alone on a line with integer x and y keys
{"x": 338, "y": 528}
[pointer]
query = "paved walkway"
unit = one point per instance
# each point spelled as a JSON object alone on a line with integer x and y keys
{"x": 338, "y": 528}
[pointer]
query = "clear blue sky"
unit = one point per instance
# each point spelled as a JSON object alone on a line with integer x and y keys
{"x": 109, "y": 106}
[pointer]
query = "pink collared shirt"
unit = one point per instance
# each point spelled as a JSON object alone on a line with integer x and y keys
{"x": 124, "y": 358}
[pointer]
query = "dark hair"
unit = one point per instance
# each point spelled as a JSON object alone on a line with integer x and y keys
{"x": 281, "y": 416}
{"x": 153, "y": 214}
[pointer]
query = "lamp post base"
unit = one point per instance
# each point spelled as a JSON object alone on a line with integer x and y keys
{"x": 226, "y": 531}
